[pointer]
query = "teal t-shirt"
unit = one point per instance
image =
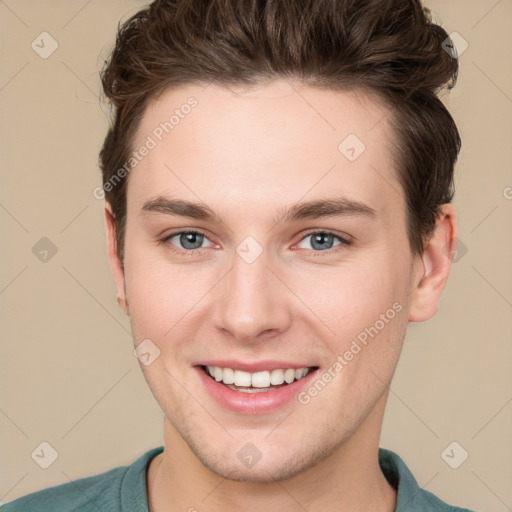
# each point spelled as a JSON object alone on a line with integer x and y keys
{"x": 123, "y": 489}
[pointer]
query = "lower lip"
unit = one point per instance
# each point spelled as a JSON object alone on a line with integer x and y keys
{"x": 253, "y": 403}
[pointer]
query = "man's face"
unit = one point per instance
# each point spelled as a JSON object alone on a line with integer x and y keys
{"x": 255, "y": 289}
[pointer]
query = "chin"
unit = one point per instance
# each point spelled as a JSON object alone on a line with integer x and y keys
{"x": 273, "y": 464}
{"x": 272, "y": 472}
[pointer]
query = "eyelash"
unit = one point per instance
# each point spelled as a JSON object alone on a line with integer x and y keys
{"x": 344, "y": 242}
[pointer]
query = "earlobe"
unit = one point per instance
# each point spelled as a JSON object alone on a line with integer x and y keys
{"x": 113, "y": 256}
{"x": 437, "y": 260}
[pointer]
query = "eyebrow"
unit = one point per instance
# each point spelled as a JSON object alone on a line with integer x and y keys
{"x": 332, "y": 207}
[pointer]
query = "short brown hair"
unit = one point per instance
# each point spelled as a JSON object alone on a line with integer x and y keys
{"x": 390, "y": 47}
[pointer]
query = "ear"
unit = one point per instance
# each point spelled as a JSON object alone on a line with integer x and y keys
{"x": 115, "y": 262}
{"x": 436, "y": 261}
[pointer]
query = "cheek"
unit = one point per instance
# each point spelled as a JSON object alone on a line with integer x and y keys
{"x": 364, "y": 317}
{"x": 163, "y": 297}
{"x": 363, "y": 357}
{"x": 352, "y": 296}
{"x": 370, "y": 328}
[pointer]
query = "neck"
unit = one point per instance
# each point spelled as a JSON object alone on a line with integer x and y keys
{"x": 349, "y": 478}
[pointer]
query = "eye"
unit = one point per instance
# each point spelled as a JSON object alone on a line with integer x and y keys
{"x": 323, "y": 241}
{"x": 191, "y": 241}
{"x": 186, "y": 241}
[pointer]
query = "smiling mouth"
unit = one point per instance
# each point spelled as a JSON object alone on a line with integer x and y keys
{"x": 257, "y": 382}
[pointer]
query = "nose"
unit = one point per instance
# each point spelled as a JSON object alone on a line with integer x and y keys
{"x": 251, "y": 303}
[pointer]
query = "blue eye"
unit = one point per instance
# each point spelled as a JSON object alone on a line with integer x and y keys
{"x": 186, "y": 240}
{"x": 324, "y": 240}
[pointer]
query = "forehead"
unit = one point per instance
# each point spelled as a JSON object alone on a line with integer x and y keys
{"x": 269, "y": 145}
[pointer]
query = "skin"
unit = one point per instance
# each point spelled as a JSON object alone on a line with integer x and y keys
{"x": 248, "y": 154}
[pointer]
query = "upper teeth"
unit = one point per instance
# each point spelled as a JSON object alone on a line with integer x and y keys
{"x": 257, "y": 379}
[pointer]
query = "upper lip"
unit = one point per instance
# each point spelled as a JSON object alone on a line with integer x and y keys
{"x": 252, "y": 367}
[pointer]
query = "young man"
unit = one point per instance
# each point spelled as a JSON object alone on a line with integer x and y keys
{"x": 278, "y": 179}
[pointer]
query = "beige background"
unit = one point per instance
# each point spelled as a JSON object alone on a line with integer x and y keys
{"x": 68, "y": 375}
